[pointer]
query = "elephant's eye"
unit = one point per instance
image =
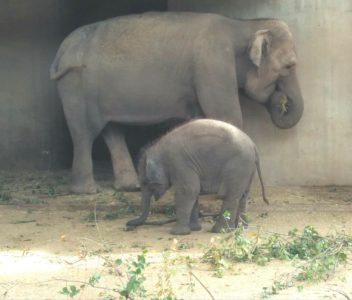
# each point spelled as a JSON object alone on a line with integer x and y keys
{"x": 290, "y": 66}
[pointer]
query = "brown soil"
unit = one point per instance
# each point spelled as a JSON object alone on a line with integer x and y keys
{"x": 49, "y": 237}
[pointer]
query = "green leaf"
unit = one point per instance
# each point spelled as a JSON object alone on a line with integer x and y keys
{"x": 94, "y": 279}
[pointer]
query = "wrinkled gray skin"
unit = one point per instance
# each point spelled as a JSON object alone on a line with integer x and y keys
{"x": 148, "y": 68}
{"x": 200, "y": 157}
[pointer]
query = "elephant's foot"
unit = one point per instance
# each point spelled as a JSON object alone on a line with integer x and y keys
{"x": 84, "y": 188}
{"x": 180, "y": 230}
{"x": 127, "y": 183}
{"x": 217, "y": 228}
{"x": 195, "y": 226}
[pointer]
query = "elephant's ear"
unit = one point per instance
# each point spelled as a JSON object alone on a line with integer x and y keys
{"x": 259, "y": 45}
{"x": 153, "y": 171}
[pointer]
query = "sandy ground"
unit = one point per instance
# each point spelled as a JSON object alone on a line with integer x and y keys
{"x": 49, "y": 239}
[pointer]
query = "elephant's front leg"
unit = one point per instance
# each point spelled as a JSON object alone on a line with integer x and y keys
{"x": 216, "y": 84}
{"x": 186, "y": 196}
{"x": 124, "y": 172}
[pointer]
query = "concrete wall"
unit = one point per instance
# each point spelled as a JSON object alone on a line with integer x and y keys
{"x": 33, "y": 132}
{"x": 318, "y": 150}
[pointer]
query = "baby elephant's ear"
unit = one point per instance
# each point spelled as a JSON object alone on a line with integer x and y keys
{"x": 153, "y": 171}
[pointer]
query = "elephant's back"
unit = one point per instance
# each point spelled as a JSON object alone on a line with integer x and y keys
{"x": 166, "y": 38}
{"x": 208, "y": 135}
{"x": 204, "y": 127}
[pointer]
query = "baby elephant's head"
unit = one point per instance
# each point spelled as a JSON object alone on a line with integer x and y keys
{"x": 152, "y": 175}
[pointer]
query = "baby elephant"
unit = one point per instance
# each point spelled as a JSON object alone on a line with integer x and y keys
{"x": 199, "y": 157}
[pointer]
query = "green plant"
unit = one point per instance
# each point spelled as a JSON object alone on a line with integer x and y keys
{"x": 73, "y": 290}
{"x": 93, "y": 280}
{"x": 276, "y": 287}
{"x": 163, "y": 286}
{"x": 123, "y": 210}
{"x": 170, "y": 211}
{"x": 135, "y": 276}
{"x": 70, "y": 291}
{"x": 191, "y": 283}
{"x": 121, "y": 196}
{"x": 131, "y": 289}
{"x": 90, "y": 217}
{"x": 322, "y": 266}
{"x": 184, "y": 245}
{"x": 51, "y": 191}
{"x": 5, "y": 196}
{"x": 232, "y": 247}
{"x": 138, "y": 244}
{"x": 33, "y": 201}
{"x": 317, "y": 256}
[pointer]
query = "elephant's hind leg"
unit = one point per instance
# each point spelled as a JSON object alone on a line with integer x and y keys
{"x": 237, "y": 178}
{"x": 124, "y": 172}
{"x": 241, "y": 214}
{"x": 83, "y": 133}
{"x": 230, "y": 205}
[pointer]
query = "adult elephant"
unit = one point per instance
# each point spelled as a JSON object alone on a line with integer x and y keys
{"x": 153, "y": 67}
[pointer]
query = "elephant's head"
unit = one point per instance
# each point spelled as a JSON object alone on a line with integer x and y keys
{"x": 153, "y": 181}
{"x": 271, "y": 78}
{"x": 152, "y": 175}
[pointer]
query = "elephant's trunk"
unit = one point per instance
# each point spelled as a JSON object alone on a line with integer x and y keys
{"x": 146, "y": 196}
{"x": 286, "y": 104}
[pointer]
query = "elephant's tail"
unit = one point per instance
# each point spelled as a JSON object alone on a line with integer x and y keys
{"x": 67, "y": 59}
{"x": 257, "y": 163}
{"x": 70, "y": 55}
{"x": 56, "y": 73}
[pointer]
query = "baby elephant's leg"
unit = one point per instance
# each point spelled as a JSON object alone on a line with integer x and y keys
{"x": 194, "y": 224}
{"x": 241, "y": 214}
{"x": 237, "y": 176}
{"x": 186, "y": 195}
{"x": 230, "y": 205}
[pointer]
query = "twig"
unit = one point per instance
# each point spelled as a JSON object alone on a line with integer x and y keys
{"x": 85, "y": 283}
{"x": 202, "y": 284}
{"x": 203, "y": 215}
{"x": 91, "y": 240}
{"x": 24, "y": 222}
{"x": 95, "y": 218}
{"x": 72, "y": 263}
{"x": 341, "y": 293}
{"x": 162, "y": 222}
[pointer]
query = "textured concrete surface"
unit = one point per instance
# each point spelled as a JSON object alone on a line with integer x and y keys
{"x": 33, "y": 132}
{"x": 318, "y": 150}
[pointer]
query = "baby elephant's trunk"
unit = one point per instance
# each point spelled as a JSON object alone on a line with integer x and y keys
{"x": 257, "y": 163}
{"x": 146, "y": 196}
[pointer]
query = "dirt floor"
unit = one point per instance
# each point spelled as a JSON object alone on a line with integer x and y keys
{"x": 51, "y": 239}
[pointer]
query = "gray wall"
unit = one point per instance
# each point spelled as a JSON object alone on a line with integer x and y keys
{"x": 33, "y": 133}
{"x": 318, "y": 151}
